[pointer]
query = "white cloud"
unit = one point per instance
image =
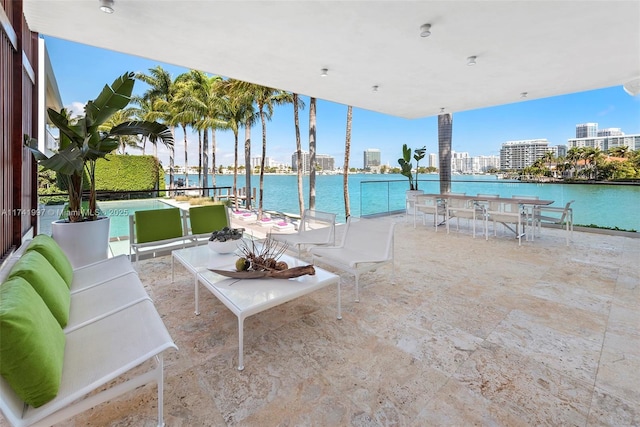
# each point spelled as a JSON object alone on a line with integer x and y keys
{"x": 76, "y": 108}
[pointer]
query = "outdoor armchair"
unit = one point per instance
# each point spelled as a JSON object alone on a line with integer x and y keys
{"x": 556, "y": 216}
{"x": 367, "y": 244}
{"x": 316, "y": 228}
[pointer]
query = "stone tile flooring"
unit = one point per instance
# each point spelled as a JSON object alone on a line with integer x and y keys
{"x": 462, "y": 332}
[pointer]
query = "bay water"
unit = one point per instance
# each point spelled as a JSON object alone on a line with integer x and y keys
{"x": 604, "y": 205}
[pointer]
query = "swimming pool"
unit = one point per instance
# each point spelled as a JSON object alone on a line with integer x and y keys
{"x": 120, "y": 210}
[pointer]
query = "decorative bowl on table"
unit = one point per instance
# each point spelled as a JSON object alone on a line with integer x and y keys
{"x": 223, "y": 247}
{"x": 226, "y": 240}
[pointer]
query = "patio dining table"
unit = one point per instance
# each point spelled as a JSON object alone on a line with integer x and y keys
{"x": 526, "y": 204}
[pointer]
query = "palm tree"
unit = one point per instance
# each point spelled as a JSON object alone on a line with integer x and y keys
{"x": 548, "y": 158}
{"x": 238, "y": 110}
{"x": 265, "y": 98}
{"x": 202, "y": 104}
{"x": 122, "y": 116}
{"x": 347, "y": 152}
{"x": 297, "y": 102}
{"x": 143, "y": 112}
{"x": 621, "y": 151}
{"x": 160, "y": 96}
{"x": 312, "y": 153}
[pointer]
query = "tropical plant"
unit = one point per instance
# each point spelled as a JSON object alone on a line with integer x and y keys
{"x": 82, "y": 142}
{"x": 406, "y": 166}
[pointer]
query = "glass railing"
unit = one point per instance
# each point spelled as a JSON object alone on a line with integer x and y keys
{"x": 612, "y": 206}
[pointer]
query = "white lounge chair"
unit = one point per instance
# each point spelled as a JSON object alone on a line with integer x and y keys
{"x": 366, "y": 245}
{"x": 316, "y": 228}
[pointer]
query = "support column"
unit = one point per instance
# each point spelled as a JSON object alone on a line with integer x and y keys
{"x": 445, "y": 126}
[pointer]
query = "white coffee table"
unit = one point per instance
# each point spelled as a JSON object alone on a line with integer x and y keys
{"x": 246, "y": 297}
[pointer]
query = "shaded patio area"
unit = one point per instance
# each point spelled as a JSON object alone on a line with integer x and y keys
{"x": 469, "y": 332}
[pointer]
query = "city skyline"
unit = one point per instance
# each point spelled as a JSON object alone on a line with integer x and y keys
{"x": 478, "y": 132}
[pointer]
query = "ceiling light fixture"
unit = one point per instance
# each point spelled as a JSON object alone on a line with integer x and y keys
{"x": 524, "y": 94}
{"x": 471, "y": 60}
{"x": 324, "y": 72}
{"x": 375, "y": 88}
{"x": 632, "y": 87}
{"x": 442, "y": 110}
{"x": 106, "y": 6}
{"x": 425, "y": 30}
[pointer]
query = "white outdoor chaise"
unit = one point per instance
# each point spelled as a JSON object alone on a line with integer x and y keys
{"x": 316, "y": 228}
{"x": 367, "y": 244}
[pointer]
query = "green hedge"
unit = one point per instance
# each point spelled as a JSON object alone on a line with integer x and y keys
{"x": 119, "y": 173}
{"x": 127, "y": 173}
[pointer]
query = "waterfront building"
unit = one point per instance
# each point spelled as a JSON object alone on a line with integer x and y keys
{"x": 269, "y": 162}
{"x": 372, "y": 159}
{"x": 586, "y": 130}
{"x": 562, "y": 150}
{"x": 610, "y": 132}
{"x": 324, "y": 162}
{"x": 433, "y": 160}
{"x": 460, "y": 162}
{"x": 480, "y": 164}
{"x": 517, "y": 155}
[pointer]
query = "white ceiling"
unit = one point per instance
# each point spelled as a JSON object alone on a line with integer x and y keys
{"x": 544, "y": 48}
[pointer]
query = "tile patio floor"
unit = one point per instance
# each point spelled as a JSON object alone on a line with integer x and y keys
{"x": 468, "y": 332}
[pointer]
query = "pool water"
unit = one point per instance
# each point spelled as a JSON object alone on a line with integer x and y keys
{"x": 120, "y": 210}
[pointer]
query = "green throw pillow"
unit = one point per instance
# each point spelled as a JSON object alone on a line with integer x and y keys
{"x": 46, "y": 281}
{"x": 31, "y": 343}
{"x": 158, "y": 224}
{"x": 54, "y": 254}
{"x": 205, "y": 219}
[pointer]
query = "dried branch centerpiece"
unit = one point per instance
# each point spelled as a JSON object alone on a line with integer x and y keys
{"x": 262, "y": 260}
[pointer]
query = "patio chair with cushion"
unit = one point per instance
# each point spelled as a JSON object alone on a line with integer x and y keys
{"x": 366, "y": 245}
{"x": 157, "y": 230}
{"x": 206, "y": 219}
{"x": 316, "y": 228}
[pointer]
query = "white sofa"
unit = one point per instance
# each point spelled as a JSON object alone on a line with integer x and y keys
{"x": 112, "y": 328}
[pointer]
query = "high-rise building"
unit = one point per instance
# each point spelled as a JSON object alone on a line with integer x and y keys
{"x": 323, "y": 161}
{"x": 516, "y": 155}
{"x": 610, "y": 132}
{"x": 586, "y": 130}
{"x": 603, "y": 139}
{"x": 433, "y": 160}
{"x": 372, "y": 159}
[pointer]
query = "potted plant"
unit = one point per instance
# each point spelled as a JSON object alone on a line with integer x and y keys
{"x": 82, "y": 142}
{"x": 406, "y": 166}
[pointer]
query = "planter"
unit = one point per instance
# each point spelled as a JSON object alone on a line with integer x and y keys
{"x": 411, "y": 197}
{"x": 83, "y": 242}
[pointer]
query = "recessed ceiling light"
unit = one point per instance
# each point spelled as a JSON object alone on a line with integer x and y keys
{"x": 324, "y": 72}
{"x": 471, "y": 60}
{"x": 374, "y": 88}
{"x": 106, "y": 6}
{"x": 425, "y": 30}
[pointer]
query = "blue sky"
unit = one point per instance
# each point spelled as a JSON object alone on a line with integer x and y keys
{"x": 81, "y": 72}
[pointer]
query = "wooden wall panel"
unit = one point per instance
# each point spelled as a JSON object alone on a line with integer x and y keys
{"x": 6, "y": 120}
{"x": 18, "y": 116}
